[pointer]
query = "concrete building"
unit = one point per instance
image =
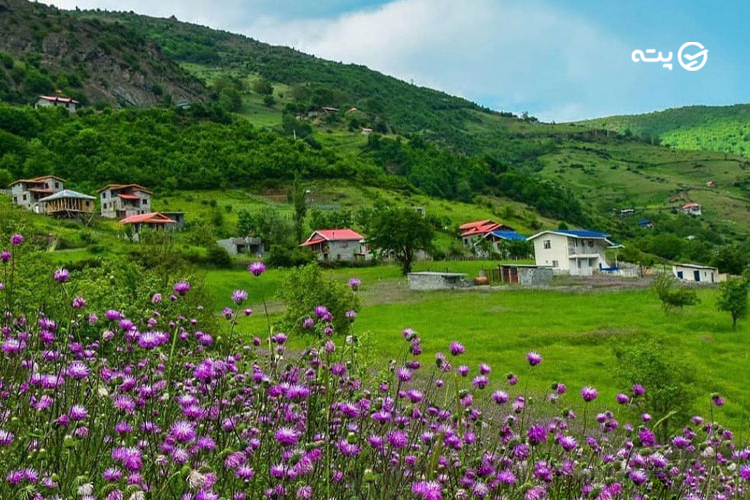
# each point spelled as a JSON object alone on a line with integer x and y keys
{"x": 53, "y": 101}
{"x": 177, "y": 217}
{"x": 576, "y": 252}
{"x": 27, "y": 193}
{"x": 119, "y": 201}
{"x": 427, "y": 280}
{"x": 525, "y": 274}
{"x": 337, "y": 244}
{"x": 67, "y": 203}
{"x": 249, "y": 245}
{"x": 697, "y": 273}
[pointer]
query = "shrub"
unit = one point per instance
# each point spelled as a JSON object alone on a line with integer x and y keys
{"x": 305, "y": 289}
{"x": 733, "y": 298}
{"x": 218, "y": 257}
{"x": 672, "y": 295}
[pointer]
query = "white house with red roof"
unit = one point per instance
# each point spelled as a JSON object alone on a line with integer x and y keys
{"x": 337, "y": 244}
{"x": 27, "y": 193}
{"x": 692, "y": 209}
{"x": 151, "y": 220}
{"x": 119, "y": 201}
{"x": 51, "y": 101}
{"x": 472, "y": 232}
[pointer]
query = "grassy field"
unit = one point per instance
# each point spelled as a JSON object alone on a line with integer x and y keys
{"x": 576, "y": 332}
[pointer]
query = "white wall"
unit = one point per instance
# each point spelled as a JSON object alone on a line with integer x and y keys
{"x": 562, "y": 249}
{"x": 556, "y": 256}
{"x": 689, "y": 274}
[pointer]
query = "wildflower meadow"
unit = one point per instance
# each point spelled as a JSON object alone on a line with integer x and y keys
{"x": 143, "y": 401}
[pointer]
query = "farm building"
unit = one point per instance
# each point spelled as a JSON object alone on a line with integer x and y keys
{"x": 27, "y": 193}
{"x": 119, "y": 201}
{"x": 152, "y": 220}
{"x": 692, "y": 209}
{"x": 499, "y": 238}
{"x": 67, "y": 203}
{"x": 525, "y": 274}
{"x": 697, "y": 273}
{"x": 427, "y": 280}
{"x": 577, "y": 252}
{"x": 646, "y": 224}
{"x": 337, "y": 244}
{"x": 248, "y": 245}
{"x": 472, "y": 232}
{"x": 53, "y": 101}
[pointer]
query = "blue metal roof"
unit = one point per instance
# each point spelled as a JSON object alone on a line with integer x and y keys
{"x": 509, "y": 235}
{"x": 582, "y": 233}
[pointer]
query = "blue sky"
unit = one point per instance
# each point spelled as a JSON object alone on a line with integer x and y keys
{"x": 559, "y": 60}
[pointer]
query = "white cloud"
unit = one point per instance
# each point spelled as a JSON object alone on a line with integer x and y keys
{"x": 509, "y": 56}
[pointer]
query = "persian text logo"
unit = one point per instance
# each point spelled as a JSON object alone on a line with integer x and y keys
{"x": 694, "y": 61}
{"x": 691, "y": 62}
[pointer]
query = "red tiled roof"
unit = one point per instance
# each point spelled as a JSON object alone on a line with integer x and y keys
{"x": 117, "y": 187}
{"x": 320, "y": 235}
{"x": 690, "y": 205}
{"x": 149, "y": 218}
{"x": 477, "y": 223}
{"x": 126, "y": 196}
{"x": 312, "y": 242}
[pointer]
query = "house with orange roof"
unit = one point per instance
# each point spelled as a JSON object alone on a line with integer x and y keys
{"x": 472, "y": 232}
{"x": 153, "y": 220}
{"x": 119, "y": 201}
{"x": 27, "y": 193}
{"x": 337, "y": 244}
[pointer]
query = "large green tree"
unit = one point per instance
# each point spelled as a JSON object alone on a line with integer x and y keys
{"x": 733, "y": 298}
{"x": 399, "y": 232}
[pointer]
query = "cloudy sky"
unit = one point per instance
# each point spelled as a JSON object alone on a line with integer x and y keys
{"x": 558, "y": 59}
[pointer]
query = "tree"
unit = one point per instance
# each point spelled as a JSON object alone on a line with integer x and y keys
{"x": 400, "y": 232}
{"x": 262, "y": 86}
{"x": 733, "y": 298}
{"x": 297, "y": 196}
{"x": 671, "y": 295}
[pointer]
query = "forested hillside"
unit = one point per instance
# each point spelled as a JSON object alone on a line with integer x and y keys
{"x": 43, "y": 49}
{"x": 714, "y": 128}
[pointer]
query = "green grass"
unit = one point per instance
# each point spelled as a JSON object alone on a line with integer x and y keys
{"x": 575, "y": 332}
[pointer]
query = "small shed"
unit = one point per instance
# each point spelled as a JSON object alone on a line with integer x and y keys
{"x": 525, "y": 274}
{"x": 248, "y": 245}
{"x": 177, "y": 217}
{"x": 697, "y": 273}
{"x": 428, "y": 280}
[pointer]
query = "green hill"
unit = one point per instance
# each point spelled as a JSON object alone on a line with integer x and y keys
{"x": 263, "y": 114}
{"x": 715, "y": 128}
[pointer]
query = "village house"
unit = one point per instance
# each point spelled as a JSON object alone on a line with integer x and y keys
{"x": 177, "y": 217}
{"x": 366, "y": 131}
{"x": 496, "y": 240}
{"x": 577, "y": 252}
{"x": 50, "y": 101}
{"x": 119, "y": 201}
{"x": 27, "y": 193}
{"x": 692, "y": 209}
{"x": 248, "y": 245}
{"x": 67, "y": 203}
{"x": 697, "y": 273}
{"x": 646, "y": 224}
{"x": 472, "y": 232}
{"x": 152, "y": 220}
{"x": 337, "y": 244}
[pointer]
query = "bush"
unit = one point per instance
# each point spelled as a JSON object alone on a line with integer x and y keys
{"x": 218, "y": 257}
{"x": 733, "y": 298}
{"x": 672, "y": 295}
{"x": 305, "y": 289}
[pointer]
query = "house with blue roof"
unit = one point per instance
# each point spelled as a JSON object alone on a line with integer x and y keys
{"x": 579, "y": 252}
{"x": 499, "y": 239}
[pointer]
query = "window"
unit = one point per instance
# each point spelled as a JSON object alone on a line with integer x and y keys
{"x": 591, "y": 243}
{"x": 144, "y": 202}
{"x": 24, "y": 197}
{"x": 554, "y": 263}
{"x": 57, "y": 185}
{"x": 15, "y": 199}
{"x": 547, "y": 244}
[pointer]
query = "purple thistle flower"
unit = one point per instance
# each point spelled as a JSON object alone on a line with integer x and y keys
{"x": 156, "y": 298}
{"x": 62, "y": 275}
{"x": 4, "y": 256}
{"x": 16, "y": 239}
{"x": 286, "y": 436}
{"x": 308, "y": 323}
{"x": 354, "y": 283}
{"x": 637, "y": 476}
{"x": 638, "y": 390}
{"x": 239, "y": 296}
{"x": 181, "y": 287}
{"x": 78, "y": 412}
{"x": 589, "y": 394}
{"x": 256, "y": 268}
{"x": 717, "y": 399}
{"x": 456, "y": 348}
{"x": 79, "y": 303}
{"x": 537, "y": 434}
{"x": 622, "y": 398}
{"x": 534, "y": 358}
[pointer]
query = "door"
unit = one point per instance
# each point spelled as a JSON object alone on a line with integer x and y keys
{"x": 697, "y": 275}
{"x": 514, "y": 275}
{"x": 680, "y": 275}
